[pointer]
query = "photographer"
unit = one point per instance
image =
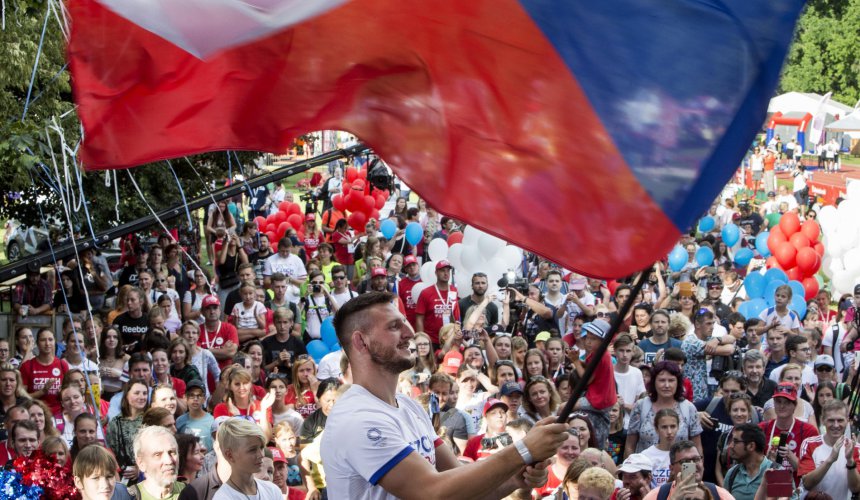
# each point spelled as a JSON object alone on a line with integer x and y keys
{"x": 317, "y": 305}
{"x": 536, "y": 316}
{"x": 484, "y": 445}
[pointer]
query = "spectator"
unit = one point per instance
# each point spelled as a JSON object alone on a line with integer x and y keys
{"x": 596, "y": 484}
{"x": 43, "y": 374}
{"x": 541, "y": 400}
{"x": 32, "y": 296}
{"x": 155, "y": 452}
{"x": 12, "y": 393}
{"x": 94, "y": 473}
{"x": 759, "y": 388}
{"x": 241, "y": 443}
{"x": 636, "y": 477}
{"x": 828, "y": 463}
{"x": 747, "y": 448}
{"x": 666, "y": 421}
{"x": 683, "y": 452}
{"x": 660, "y": 339}
{"x": 785, "y": 402}
{"x": 741, "y": 412}
{"x": 123, "y": 427}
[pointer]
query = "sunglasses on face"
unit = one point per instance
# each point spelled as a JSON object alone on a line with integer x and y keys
{"x": 601, "y": 314}
{"x": 824, "y": 368}
{"x": 317, "y": 282}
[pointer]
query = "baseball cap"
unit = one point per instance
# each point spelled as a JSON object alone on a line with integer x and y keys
{"x": 578, "y": 284}
{"x": 492, "y": 403}
{"x": 509, "y": 388}
{"x": 635, "y": 463}
{"x": 598, "y": 328}
{"x": 451, "y": 362}
{"x": 378, "y": 271}
{"x": 195, "y": 384}
{"x": 824, "y": 360}
{"x": 210, "y": 300}
{"x": 771, "y": 194}
{"x": 543, "y": 336}
{"x": 218, "y": 421}
{"x": 442, "y": 264}
{"x": 787, "y": 391}
{"x": 409, "y": 259}
{"x": 277, "y": 455}
{"x": 310, "y": 217}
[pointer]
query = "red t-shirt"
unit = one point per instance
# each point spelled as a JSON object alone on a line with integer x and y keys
{"x": 404, "y": 290}
{"x": 37, "y": 376}
{"x": 7, "y": 454}
{"x": 305, "y": 409}
{"x": 552, "y": 482}
{"x": 225, "y": 333}
{"x": 601, "y": 391}
{"x": 312, "y": 243}
{"x": 769, "y": 162}
{"x": 253, "y": 411}
{"x": 473, "y": 448}
{"x": 341, "y": 250}
{"x": 799, "y": 431}
{"x": 437, "y": 307}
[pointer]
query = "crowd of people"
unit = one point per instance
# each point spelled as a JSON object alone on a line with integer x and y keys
{"x": 197, "y": 386}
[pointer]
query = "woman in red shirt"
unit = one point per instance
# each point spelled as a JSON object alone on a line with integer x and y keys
{"x": 240, "y": 400}
{"x": 300, "y": 394}
{"x": 312, "y": 236}
{"x": 341, "y": 239}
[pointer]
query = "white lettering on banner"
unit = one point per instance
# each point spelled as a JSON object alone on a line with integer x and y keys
{"x": 135, "y": 329}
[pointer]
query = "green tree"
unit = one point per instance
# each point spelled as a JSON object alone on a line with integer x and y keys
{"x": 824, "y": 56}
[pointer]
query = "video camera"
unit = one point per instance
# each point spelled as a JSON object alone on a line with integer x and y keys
{"x": 311, "y": 198}
{"x": 510, "y": 280}
{"x": 500, "y": 441}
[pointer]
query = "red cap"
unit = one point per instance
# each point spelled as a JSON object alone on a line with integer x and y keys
{"x": 786, "y": 390}
{"x": 442, "y": 264}
{"x": 310, "y": 217}
{"x": 378, "y": 271}
{"x": 210, "y": 300}
{"x": 409, "y": 259}
{"x": 451, "y": 362}
{"x": 277, "y": 455}
{"x": 492, "y": 403}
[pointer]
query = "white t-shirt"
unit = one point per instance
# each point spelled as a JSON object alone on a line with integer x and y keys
{"x": 247, "y": 317}
{"x": 330, "y": 366}
{"x": 835, "y": 481}
{"x": 265, "y": 491}
{"x": 661, "y": 471}
{"x": 630, "y": 386}
{"x": 342, "y": 298}
{"x": 572, "y": 310}
{"x": 791, "y": 320}
{"x": 291, "y": 266}
{"x": 799, "y": 181}
{"x": 365, "y": 438}
{"x": 788, "y": 199}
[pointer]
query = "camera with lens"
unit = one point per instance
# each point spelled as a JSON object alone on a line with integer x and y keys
{"x": 316, "y": 288}
{"x": 510, "y": 280}
{"x": 310, "y": 198}
{"x": 500, "y": 441}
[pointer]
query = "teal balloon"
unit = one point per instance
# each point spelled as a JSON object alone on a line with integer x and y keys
{"x": 388, "y": 228}
{"x": 414, "y": 233}
{"x": 677, "y": 258}
{"x": 317, "y": 349}
{"x": 770, "y": 291}
{"x": 707, "y": 223}
{"x": 796, "y": 289}
{"x": 752, "y": 308}
{"x": 743, "y": 257}
{"x": 731, "y": 234}
{"x": 754, "y": 285}
{"x": 329, "y": 337}
{"x": 798, "y": 305}
{"x": 761, "y": 244}
{"x": 704, "y": 256}
{"x": 774, "y": 274}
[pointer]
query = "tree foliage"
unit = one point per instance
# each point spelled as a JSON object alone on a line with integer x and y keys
{"x": 824, "y": 56}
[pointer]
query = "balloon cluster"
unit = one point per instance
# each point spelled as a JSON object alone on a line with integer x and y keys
{"x": 794, "y": 248}
{"x": 12, "y": 487}
{"x": 761, "y": 290}
{"x": 469, "y": 252}
{"x": 841, "y": 228}
{"x": 359, "y": 198}
{"x": 54, "y": 480}
{"x": 317, "y": 349}
{"x": 276, "y": 225}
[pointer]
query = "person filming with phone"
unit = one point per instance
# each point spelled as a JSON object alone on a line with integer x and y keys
{"x": 686, "y": 470}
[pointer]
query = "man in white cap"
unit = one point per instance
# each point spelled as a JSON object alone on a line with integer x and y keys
{"x": 635, "y": 474}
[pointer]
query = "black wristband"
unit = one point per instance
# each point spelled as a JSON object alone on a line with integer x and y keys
{"x": 851, "y": 467}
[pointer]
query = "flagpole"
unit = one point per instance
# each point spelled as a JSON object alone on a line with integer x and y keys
{"x": 601, "y": 349}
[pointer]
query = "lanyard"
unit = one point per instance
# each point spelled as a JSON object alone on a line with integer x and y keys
{"x": 439, "y": 293}
{"x": 206, "y": 333}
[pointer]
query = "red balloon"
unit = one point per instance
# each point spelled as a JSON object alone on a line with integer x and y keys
{"x": 775, "y": 239}
{"x": 362, "y": 173}
{"x": 811, "y": 229}
{"x": 799, "y": 240}
{"x": 771, "y": 263}
{"x": 786, "y": 255}
{"x": 357, "y": 220}
{"x": 284, "y": 206}
{"x": 455, "y": 237}
{"x": 369, "y": 203}
{"x": 260, "y": 221}
{"x": 282, "y": 229}
{"x": 819, "y": 248}
{"x": 280, "y": 217}
{"x": 810, "y": 286}
{"x": 347, "y": 188}
{"x": 612, "y": 285}
{"x": 806, "y": 258}
{"x": 273, "y": 245}
{"x": 795, "y": 274}
{"x": 295, "y": 208}
{"x": 374, "y": 214}
{"x": 358, "y": 185}
{"x": 380, "y": 200}
{"x": 272, "y": 236}
{"x": 354, "y": 201}
{"x": 337, "y": 202}
{"x": 351, "y": 174}
{"x": 296, "y": 221}
{"x": 789, "y": 223}
{"x": 271, "y": 227}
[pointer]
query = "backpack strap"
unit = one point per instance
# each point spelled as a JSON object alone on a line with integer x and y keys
{"x": 730, "y": 479}
{"x": 663, "y": 492}
{"x": 713, "y": 487}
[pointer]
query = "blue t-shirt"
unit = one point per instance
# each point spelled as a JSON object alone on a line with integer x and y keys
{"x": 200, "y": 427}
{"x": 650, "y": 348}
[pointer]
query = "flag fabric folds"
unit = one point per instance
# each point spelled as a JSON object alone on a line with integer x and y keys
{"x": 592, "y": 132}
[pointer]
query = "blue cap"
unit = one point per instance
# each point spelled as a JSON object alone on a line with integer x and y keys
{"x": 597, "y": 327}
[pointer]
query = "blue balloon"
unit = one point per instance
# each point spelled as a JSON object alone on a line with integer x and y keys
{"x": 388, "y": 228}
{"x": 752, "y": 308}
{"x": 796, "y": 289}
{"x": 761, "y": 244}
{"x": 329, "y": 337}
{"x": 770, "y": 291}
{"x": 798, "y": 305}
{"x": 677, "y": 258}
{"x": 317, "y": 349}
{"x": 774, "y": 274}
{"x": 743, "y": 257}
{"x": 707, "y": 223}
{"x": 335, "y": 348}
{"x": 754, "y": 285}
{"x": 414, "y": 233}
{"x": 704, "y": 256}
{"x": 731, "y": 234}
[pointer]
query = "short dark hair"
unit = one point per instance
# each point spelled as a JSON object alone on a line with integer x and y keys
{"x": 29, "y": 425}
{"x": 794, "y": 342}
{"x": 337, "y": 269}
{"x": 751, "y": 322}
{"x": 671, "y": 368}
{"x": 752, "y": 433}
{"x": 702, "y": 314}
{"x": 734, "y": 376}
{"x": 554, "y": 271}
{"x": 139, "y": 357}
{"x": 350, "y": 318}
{"x": 734, "y": 318}
{"x": 675, "y": 354}
{"x": 678, "y": 447}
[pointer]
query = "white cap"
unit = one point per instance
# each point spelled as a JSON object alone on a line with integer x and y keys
{"x": 635, "y": 463}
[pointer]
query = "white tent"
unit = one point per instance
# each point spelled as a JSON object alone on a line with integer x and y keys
{"x": 805, "y": 102}
{"x": 850, "y": 123}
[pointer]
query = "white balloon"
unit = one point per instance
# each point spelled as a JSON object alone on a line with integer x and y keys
{"x": 471, "y": 259}
{"x": 511, "y": 256}
{"x": 843, "y": 284}
{"x": 489, "y": 245}
{"x": 851, "y": 260}
{"x": 417, "y": 289}
{"x": 852, "y": 191}
{"x": 826, "y": 262}
{"x": 847, "y": 216}
{"x": 454, "y": 252}
{"x": 848, "y": 239}
{"x": 471, "y": 235}
{"x": 463, "y": 282}
{"x": 438, "y": 249}
{"x": 827, "y": 217}
{"x": 428, "y": 272}
{"x": 495, "y": 269}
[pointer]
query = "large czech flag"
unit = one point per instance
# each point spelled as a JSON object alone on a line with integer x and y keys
{"x": 593, "y": 132}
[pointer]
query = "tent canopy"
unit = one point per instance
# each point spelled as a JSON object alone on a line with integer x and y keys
{"x": 805, "y": 102}
{"x": 850, "y": 123}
